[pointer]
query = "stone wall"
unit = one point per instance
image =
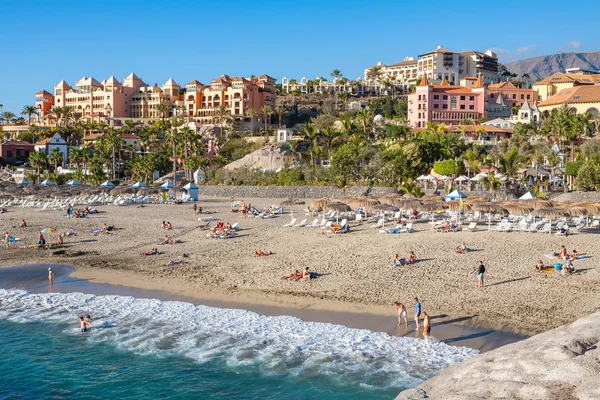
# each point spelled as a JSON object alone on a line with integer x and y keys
{"x": 285, "y": 192}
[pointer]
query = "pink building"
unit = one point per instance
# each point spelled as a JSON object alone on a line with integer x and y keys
{"x": 445, "y": 103}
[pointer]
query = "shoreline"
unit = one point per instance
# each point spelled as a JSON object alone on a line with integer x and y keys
{"x": 453, "y": 331}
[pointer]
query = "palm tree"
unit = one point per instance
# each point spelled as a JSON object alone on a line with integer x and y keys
{"x": 329, "y": 136}
{"x": 38, "y": 160}
{"x": 29, "y": 111}
{"x": 336, "y": 74}
{"x": 56, "y": 112}
{"x": 311, "y": 136}
{"x": 492, "y": 182}
{"x": 162, "y": 110}
{"x": 266, "y": 112}
{"x": 172, "y": 137}
{"x": 279, "y": 111}
{"x": 222, "y": 114}
{"x": 56, "y": 157}
{"x": 114, "y": 142}
{"x": 412, "y": 188}
{"x": 67, "y": 115}
{"x": 8, "y": 116}
{"x": 347, "y": 126}
{"x": 251, "y": 112}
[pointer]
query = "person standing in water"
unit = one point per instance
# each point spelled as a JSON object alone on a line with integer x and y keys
{"x": 426, "y": 326}
{"x": 401, "y": 313}
{"x": 417, "y": 311}
{"x": 84, "y": 324}
{"x": 50, "y": 276}
{"x": 7, "y": 239}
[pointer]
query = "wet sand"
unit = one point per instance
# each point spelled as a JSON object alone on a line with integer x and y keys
{"x": 455, "y": 332}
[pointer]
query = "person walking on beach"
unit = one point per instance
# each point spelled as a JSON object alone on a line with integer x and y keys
{"x": 194, "y": 207}
{"x": 50, "y": 275}
{"x": 480, "y": 273}
{"x": 84, "y": 324}
{"x": 426, "y": 326}
{"x": 417, "y": 311}
{"x": 7, "y": 239}
{"x": 401, "y": 313}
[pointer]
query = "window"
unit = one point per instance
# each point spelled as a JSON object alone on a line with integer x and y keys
{"x": 462, "y": 98}
{"x": 444, "y": 106}
{"x": 8, "y": 153}
{"x": 471, "y": 98}
{"x": 462, "y": 106}
{"x": 514, "y": 96}
{"x": 491, "y": 95}
{"x": 522, "y": 96}
{"x": 419, "y": 97}
{"x": 453, "y": 102}
{"x": 528, "y": 96}
{"x": 436, "y": 96}
{"x": 444, "y": 97}
{"x": 436, "y": 106}
{"x": 471, "y": 107}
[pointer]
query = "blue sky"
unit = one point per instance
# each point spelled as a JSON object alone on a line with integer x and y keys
{"x": 44, "y": 42}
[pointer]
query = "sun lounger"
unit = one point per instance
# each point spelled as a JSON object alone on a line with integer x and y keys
{"x": 576, "y": 228}
{"x": 291, "y": 223}
{"x": 315, "y": 223}
{"x": 235, "y": 226}
{"x": 533, "y": 227}
{"x": 301, "y": 224}
{"x": 379, "y": 223}
{"x": 471, "y": 228}
{"x": 328, "y": 224}
{"x": 409, "y": 228}
{"x": 545, "y": 229}
{"x": 506, "y": 227}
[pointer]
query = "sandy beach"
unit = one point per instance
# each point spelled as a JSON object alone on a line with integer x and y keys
{"x": 354, "y": 270}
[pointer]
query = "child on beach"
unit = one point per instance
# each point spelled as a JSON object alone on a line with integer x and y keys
{"x": 23, "y": 224}
{"x": 83, "y": 324}
{"x": 426, "y": 326}
{"x": 462, "y": 249}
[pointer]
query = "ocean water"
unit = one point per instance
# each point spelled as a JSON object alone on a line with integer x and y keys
{"x": 153, "y": 349}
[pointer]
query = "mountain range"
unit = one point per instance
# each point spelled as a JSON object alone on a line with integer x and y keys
{"x": 543, "y": 66}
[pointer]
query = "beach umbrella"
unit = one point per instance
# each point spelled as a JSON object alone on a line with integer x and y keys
{"x": 318, "y": 205}
{"x": 167, "y": 185}
{"x": 444, "y": 178}
{"x": 556, "y": 179}
{"x": 462, "y": 178}
{"x": 364, "y": 202}
{"x": 550, "y": 213}
{"x": 432, "y": 198}
{"x": 139, "y": 185}
{"x": 337, "y": 206}
{"x": 537, "y": 203}
{"x": 421, "y": 178}
{"x": 73, "y": 182}
{"x": 383, "y": 207}
{"x": 48, "y": 230}
{"x": 408, "y": 204}
{"x": 431, "y": 207}
{"x": 107, "y": 184}
{"x": 515, "y": 207}
{"x": 47, "y": 182}
{"x": 24, "y": 181}
{"x": 489, "y": 208}
{"x": 456, "y": 194}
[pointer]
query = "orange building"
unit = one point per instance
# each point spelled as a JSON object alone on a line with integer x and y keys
{"x": 512, "y": 95}
{"x": 44, "y": 101}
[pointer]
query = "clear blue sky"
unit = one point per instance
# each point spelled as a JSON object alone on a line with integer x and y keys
{"x": 44, "y": 41}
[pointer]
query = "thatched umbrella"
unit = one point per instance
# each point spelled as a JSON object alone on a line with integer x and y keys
{"x": 408, "y": 204}
{"x": 363, "y": 202}
{"x": 489, "y": 208}
{"x": 433, "y": 198}
{"x": 550, "y": 213}
{"x": 432, "y": 207}
{"x": 537, "y": 203}
{"x": 337, "y": 207}
{"x": 390, "y": 198}
{"x": 317, "y": 205}
{"x": 383, "y": 207}
{"x": 515, "y": 208}
{"x": 475, "y": 199}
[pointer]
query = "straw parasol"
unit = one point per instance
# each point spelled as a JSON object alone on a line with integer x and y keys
{"x": 515, "y": 208}
{"x": 363, "y": 202}
{"x": 550, "y": 213}
{"x": 433, "y": 198}
{"x": 489, "y": 208}
{"x": 317, "y": 205}
{"x": 384, "y": 208}
{"x": 408, "y": 204}
{"x": 536, "y": 203}
{"x": 455, "y": 205}
{"x": 337, "y": 206}
{"x": 391, "y": 198}
{"x": 475, "y": 199}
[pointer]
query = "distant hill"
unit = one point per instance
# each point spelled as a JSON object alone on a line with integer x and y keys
{"x": 543, "y": 66}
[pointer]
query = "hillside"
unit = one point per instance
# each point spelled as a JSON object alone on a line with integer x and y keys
{"x": 541, "y": 67}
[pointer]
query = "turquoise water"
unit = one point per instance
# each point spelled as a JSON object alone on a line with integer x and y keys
{"x": 150, "y": 349}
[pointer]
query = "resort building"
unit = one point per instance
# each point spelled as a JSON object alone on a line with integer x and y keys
{"x": 559, "y": 81}
{"x": 320, "y": 85}
{"x": 130, "y": 142}
{"x": 582, "y": 99}
{"x": 46, "y": 146}
{"x": 114, "y": 102}
{"x": 15, "y": 151}
{"x": 445, "y": 103}
{"x": 438, "y": 65}
{"x": 512, "y": 96}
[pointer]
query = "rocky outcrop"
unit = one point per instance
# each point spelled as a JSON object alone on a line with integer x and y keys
{"x": 270, "y": 157}
{"x": 563, "y": 363}
{"x": 286, "y": 192}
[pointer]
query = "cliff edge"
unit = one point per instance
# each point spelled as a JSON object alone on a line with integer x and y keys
{"x": 563, "y": 363}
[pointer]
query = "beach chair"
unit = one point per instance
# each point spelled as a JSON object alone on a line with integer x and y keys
{"x": 328, "y": 224}
{"x": 235, "y": 226}
{"x": 409, "y": 228}
{"x": 498, "y": 227}
{"x": 533, "y": 227}
{"x": 595, "y": 224}
{"x": 471, "y": 228}
{"x": 398, "y": 214}
{"x": 545, "y": 229}
{"x": 323, "y": 223}
{"x": 315, "y": 223}
{"x": 521, "y": 226}
{"x": 291, "y": 223}
{"x": 576, "y": 228}
{"x": 302, "y": 223}
{"x": 358, "y": 217}
{"x": 379, "y": 223}
{"x": 506, "y": 227}
{"x": 560, "y": 224}
{"x": 344, "y": 222}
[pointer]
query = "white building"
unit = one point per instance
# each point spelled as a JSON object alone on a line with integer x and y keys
{"x": 500, "y": 123}
{"x": 527, "y": 114}
{"x": 46, "y": 146}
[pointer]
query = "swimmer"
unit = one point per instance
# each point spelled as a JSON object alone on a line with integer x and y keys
{"x": 401, "y": 313}
{"x": 426, "y": 325}
{"x": 50, "y": 275}
{"x": 84, "y": 324}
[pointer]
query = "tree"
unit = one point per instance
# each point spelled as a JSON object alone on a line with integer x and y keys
{"x": 510, "y": 162}
{"x": 8, "y": 117}
{"x": 336, "y": 74}
{"x": 222, "y": 114}
{"x": 492, "y": 182}
{"x": 56, "y": 157}
{"x": 172, "y": 136}
{"x": 330, "y": 136}
{"x": 280, "y": 111}
{"x": 449, "y": 167}
{"x": 411, "y": 188}
{"x": 29, "y": 111}
{"x": 588, "y": 176}
{"x": 251, "y": 112}
{"x": 38, "y": 160}
{"x": 266, "y": 112}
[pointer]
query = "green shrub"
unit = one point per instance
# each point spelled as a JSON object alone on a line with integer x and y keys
{"x": 449, "y": 167}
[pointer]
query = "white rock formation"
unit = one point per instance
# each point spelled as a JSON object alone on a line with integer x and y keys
{"x": 563, "y": 363}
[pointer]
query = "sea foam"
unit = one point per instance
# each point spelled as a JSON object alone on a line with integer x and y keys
{"x": 239, "y": 338}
